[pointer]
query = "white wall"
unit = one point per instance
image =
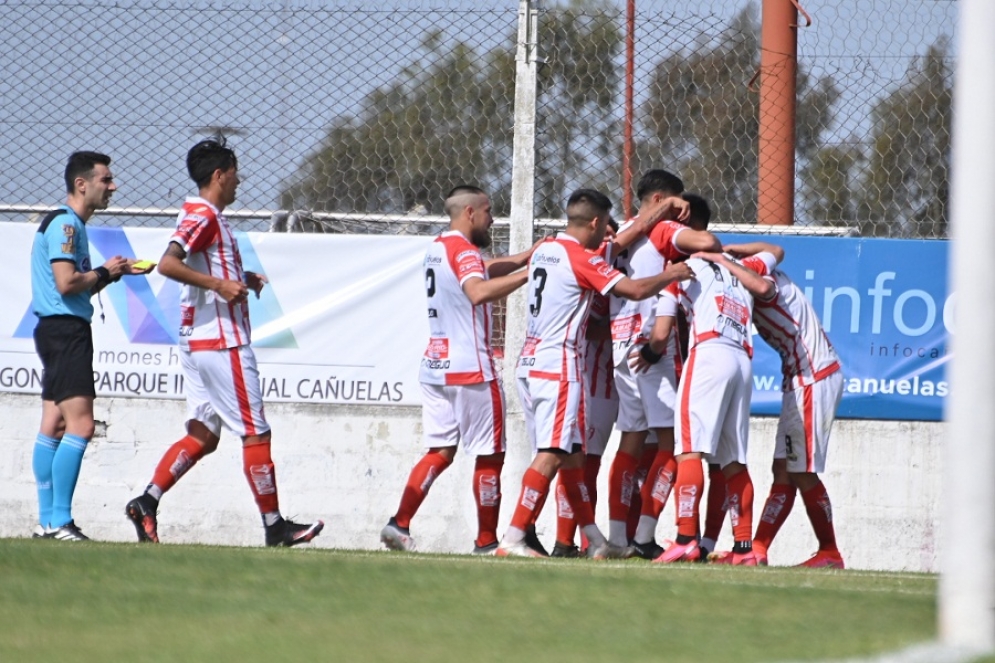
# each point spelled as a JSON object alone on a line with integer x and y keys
{"x": 348, "y": 465}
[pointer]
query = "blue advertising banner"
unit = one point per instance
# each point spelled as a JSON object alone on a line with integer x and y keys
{"x": 884, "y": 305}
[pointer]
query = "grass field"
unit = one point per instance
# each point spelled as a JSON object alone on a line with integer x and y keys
{"x": 126, "y": 602}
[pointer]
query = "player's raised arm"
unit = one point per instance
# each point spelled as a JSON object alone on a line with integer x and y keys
{"x": 508, "y": 264}
{"x": 482, "y": 291}
{"x": 753, "y": 248}
{"x": 643, "y": 288}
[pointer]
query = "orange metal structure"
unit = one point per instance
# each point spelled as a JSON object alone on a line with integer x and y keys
{"x": 778, "y": 89}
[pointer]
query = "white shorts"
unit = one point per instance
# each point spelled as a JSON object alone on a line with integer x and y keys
{"x": 807, "y": 415}
{"x": 646, "y": 400}
{"x": 600, "y": 415}
{"x": 553, "y": 412}
{"x": 222, "y": 386}
{"x": 471, "y": 415}
{"x": 714, "y": 403}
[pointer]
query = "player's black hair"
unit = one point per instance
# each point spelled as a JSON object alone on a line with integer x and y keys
{"x": 659, "y": 181}
{"x": 81, "y": 164}
{"x": 701, "y": 213}
{"x": 584, "y": 204}
{"x": 613, "y": 224}
{"x": 208, "y": 156}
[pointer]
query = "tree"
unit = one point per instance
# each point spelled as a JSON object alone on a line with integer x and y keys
{"x": 447, "y": 118}
{"x": 436, "y": 125}
{"x": 703, "y": 121}
{"x": 905, "y": 188}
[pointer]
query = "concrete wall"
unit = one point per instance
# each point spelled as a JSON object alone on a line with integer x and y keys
{"x": 347, "y": 466}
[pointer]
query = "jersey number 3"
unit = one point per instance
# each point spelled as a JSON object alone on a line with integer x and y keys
{"x": 539, "y": 276}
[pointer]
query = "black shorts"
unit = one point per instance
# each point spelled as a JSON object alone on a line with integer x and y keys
{"x": 65, "y": 346}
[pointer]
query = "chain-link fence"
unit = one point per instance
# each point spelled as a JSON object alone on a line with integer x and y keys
{"x": 354, "y": 118}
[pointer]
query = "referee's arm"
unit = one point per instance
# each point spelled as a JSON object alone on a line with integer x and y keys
{"x": 68, "y": 281}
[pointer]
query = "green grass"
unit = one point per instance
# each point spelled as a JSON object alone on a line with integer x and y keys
{"x": 118, "y": 602}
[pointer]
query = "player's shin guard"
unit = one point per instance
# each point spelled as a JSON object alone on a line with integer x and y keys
{"x": 689, "y": 486}
{"x": 621, "y": 486}
{"x": 176, "y": 462}
{"x": 422, "y": 476}
{"x": 776, "y": 510}
{"x": 820, "y": 513}
{"x": 261, "y": 474}
{"x": 487, "y": 494}
{"x": 739, "y": 492}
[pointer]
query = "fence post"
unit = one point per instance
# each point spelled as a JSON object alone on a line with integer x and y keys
{"x": 778, "y": 72}
{"x": 967, "y": 582}
{"x": 522, "y": 179}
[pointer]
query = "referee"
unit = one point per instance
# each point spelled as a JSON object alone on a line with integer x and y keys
{"x": 62, "y": 283}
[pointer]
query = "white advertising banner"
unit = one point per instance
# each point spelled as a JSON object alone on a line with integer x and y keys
{"x": 342, "y": 319}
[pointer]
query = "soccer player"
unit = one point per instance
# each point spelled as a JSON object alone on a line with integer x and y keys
{"x": 713, "y": 398}
{"x": 462, "y": 399}
{"x": 219, "y": 367}
{"x": 564, "y": 274}
{"x": 811, "y": 391}
{"x": 646, "y": 400}
{"x": 62, "y": 284}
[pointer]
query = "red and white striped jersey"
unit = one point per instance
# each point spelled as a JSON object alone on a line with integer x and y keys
{"x": 599, "y": 365}
{"x": 207, "y": 321}
{"x": 563, "y": 279}
{"x": 717, "y": 306}
{"x": 459, "y": 344}
{"x": 632, "y": 321}
{"x": 790, "y": 325}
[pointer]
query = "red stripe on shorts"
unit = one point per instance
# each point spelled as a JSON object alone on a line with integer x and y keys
{"x": 238, "y": 379}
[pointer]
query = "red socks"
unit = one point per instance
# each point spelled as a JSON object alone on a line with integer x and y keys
{"x": 820, "y": 513}
{"x": 566, "y": 524}
{"x": 776, "y": 510}
{"x": 259, "y": 470}
{"x": 422, "y": 476}
{"x": 487, "y": 493}
{"x": 715, "y": 511}
{"x": 577, "y": 495}
{"x": 535, "y": 487}
{"x": 739, "y": 494}
{"x": 621, "y": 485}
{"x": 690, "y": 484}
{"x": 659, "y": 482}
{"x": 177, "y": 460}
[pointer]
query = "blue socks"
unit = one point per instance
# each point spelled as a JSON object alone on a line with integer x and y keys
{"x": 65, "y": 471}
{"x": 41, "y": 462}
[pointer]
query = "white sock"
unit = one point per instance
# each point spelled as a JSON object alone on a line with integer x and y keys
{"x": 646, "y": 529}
{"x": 616, "y": 533}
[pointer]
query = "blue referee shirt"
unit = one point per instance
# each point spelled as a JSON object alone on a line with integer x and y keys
{"x": 61, "y": 236}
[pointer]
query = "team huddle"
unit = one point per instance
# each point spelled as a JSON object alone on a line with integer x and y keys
{"x": 647, "y": 329}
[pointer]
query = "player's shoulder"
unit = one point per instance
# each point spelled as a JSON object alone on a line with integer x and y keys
{"x": 198, "y": 210}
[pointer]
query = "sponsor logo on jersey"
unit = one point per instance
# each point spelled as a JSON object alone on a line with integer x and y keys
{"x": 545, "y": 259}
{"x": 469, "y": 253}
{"x": 69, "y": 246}
{"x": 432, "y": 313}
{"x": 438, "y": 348}
{"x": 433, "y": 260}
{"x": 626, "y": 327}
